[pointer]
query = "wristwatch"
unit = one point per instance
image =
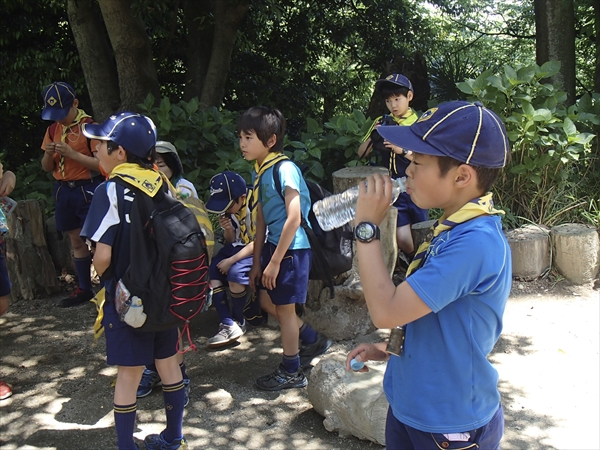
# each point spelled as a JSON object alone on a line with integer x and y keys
{"x": 366, "y": 232}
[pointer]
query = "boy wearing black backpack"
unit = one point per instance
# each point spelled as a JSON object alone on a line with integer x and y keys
{"x": 127, "y": 150}
{"x": 282, "y": 259}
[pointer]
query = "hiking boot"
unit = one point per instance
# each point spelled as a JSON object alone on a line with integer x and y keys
{"x": 186, "y": 387}
{"x": 157, "y": 442}
{"x": 225, "y": 335}
{"x": 150, "y": 379}
{"x": 5, "y": 390}
{"x": 310, "y": 351}
{"x": 77, "y": 297}
{"x": 281, "y": 379}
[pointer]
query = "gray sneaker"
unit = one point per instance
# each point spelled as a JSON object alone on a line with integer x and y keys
{"x": 225, "y": 335}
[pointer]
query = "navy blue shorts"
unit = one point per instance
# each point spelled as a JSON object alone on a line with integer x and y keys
{"x": 408, "y": 212}
{"x": 238, "y": 273}
{"x": 126, "y": 346}
{"x": 73, "y": 203}
{"x": 401, "y": 436}
{"x": 291, "y": 285}
{"x": 4, "y": 280}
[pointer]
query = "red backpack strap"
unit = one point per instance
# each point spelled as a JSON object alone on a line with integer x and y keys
{"x": 52, "y": 130}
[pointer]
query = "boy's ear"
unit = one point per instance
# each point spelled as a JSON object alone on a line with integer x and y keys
{"x": 465, "y": 175}
{"x": 409, "y": 96}
{"x": 272, "y": 141}
{"x": 75, "y": 102}
{"x": 121, "y": 154}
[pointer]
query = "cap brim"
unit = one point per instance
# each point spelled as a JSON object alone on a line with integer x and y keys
{"x": 55, "y": 114}
{"x": 405, "y": 138}
{"x": 94, "y": 131}
{"x": 217, "y": 207}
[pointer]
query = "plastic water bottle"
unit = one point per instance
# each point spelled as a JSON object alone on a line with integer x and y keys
{"x": 339, "y": 209}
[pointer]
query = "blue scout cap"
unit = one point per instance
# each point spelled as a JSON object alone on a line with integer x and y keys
{"x": 465, "y": 131}
{"x": 394, "y": 78}
{"x": 132, "y": 131}
{"x": 225, "y": 187}
{"x": 58, "y": 99}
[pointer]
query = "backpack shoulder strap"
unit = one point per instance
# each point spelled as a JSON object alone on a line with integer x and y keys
{"x": 52, "y": 130}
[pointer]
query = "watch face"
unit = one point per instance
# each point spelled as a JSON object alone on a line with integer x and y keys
{"x": 365, "y": 231}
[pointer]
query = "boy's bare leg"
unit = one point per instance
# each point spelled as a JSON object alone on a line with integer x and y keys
{"x": 80, "y": 248}
{"x": 288, "y": 322}
{"x": 267, "y": 305}
{"x": 168, "y": 369}
{"x": 128, "y": 379}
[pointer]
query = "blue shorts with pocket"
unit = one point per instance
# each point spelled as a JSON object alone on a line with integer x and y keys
{"x": 126, "y": 346}
{"x": 291, "y": 285}
{"x": 408, "y": 212}
{"x": 73, "y": 202}
{"x": 238, "y": 272}
{"x": 4, "y": 280}
{"x": 401, "y": 436}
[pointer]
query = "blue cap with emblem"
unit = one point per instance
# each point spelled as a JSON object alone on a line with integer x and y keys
{"x": 394, "y": 79}
{"x": 225, "y": 187}
{"x": 132, "y": 131}
{"x": 58, "y": 99}
{"x": 467, "y": 132}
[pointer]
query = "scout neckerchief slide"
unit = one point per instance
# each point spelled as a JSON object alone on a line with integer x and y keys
{"x": 477, "y": 207}
{"x": 63, "y": 137}
{"x": 270, "y": 160}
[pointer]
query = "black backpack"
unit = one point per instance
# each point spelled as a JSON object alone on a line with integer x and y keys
{"x": 169, "y": 262}
{"x": 332, "y": 250}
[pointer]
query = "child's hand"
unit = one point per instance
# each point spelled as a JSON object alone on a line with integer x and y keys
{"x": 50, "y": 148}
{"x": 63, "y": 149}
{"x": 254, "y": 275}
{"x": 374, "y": 199}
{"x": 397, "y": 150}
{"x": 269, "y": 277}
{"x": 364, "y": 353}
{"x": 7, "y": 183}
{"x": 225, "y": 222}
{"x": 225, "y": 265}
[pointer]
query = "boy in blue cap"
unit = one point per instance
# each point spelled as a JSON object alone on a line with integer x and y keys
{"x": 442, "y": 390}
{"x": 68, "y": 154}
{"x": 397, "y": 91}
{"x": 127, "y": 150}
{"x": 229, "y": 268}
{"x": 282, "y": 258}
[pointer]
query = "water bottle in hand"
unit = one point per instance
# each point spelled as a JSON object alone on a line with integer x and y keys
{"x": 339, "y": 209}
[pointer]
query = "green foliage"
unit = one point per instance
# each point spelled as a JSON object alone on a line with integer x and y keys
{"x": 550, "y": 149}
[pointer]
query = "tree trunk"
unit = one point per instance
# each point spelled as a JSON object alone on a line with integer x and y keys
{"x": 96, "y": 56}
{"x": 200, "y": 26}
{"x": 228, "y": 17}
{"x": 555, "y": 40}
{"x": 133, "y": 52}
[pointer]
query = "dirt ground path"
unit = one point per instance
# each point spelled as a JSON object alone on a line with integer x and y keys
{"x": 547, "y": 356}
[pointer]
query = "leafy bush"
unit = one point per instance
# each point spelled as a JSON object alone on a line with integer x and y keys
{"x": 551, "y": 154}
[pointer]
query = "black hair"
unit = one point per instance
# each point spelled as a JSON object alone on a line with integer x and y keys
{"x": 393, "y": 90}
{"x": 171, "y": 162}
{"x": 146, "y": 163}
{"x": 486, "y": 177}
{"x": 265, "y": 122}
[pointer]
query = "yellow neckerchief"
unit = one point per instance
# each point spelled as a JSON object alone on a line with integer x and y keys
{"x": 148, "y": 181}
{"x": 407, "y": 118}
{"x": 63, "y": 137}
{"x": 270, "y": 160}
{"x": 244, "y": 217}
{"x": 475, "y": 208}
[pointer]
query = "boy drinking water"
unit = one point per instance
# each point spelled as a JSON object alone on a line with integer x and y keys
{"x": 127, "y": 150}
{"x": 442, "y": 390}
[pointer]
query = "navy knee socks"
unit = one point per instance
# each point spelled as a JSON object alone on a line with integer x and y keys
{"x": 124, "y": 424}
{"x": 221, "y": 305}
{"x": 82, "y": 268}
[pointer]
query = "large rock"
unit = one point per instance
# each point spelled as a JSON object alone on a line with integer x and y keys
{"x": 576, "y": 251}
{"x": 352, "y": 403}
{"x": 530, "y": 249}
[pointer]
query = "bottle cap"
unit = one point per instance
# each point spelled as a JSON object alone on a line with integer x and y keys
{"x": 356, "y": 365}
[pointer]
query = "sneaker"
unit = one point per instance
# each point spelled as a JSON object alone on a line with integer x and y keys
{"x": 150, "y": 379}
{"x": 226, "y": 335}
{"x": 157, "y": 442}
{"x": 310, "y": 351}
{"x": 5, "y": 390}
{"x": 186, "y": 387}
{"x": 77, "y": 297}
{"x": 281, "y": 379}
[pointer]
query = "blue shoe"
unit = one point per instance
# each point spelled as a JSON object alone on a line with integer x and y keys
{"x": 157, "y": 442}
{"x": 150, "y": 379}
